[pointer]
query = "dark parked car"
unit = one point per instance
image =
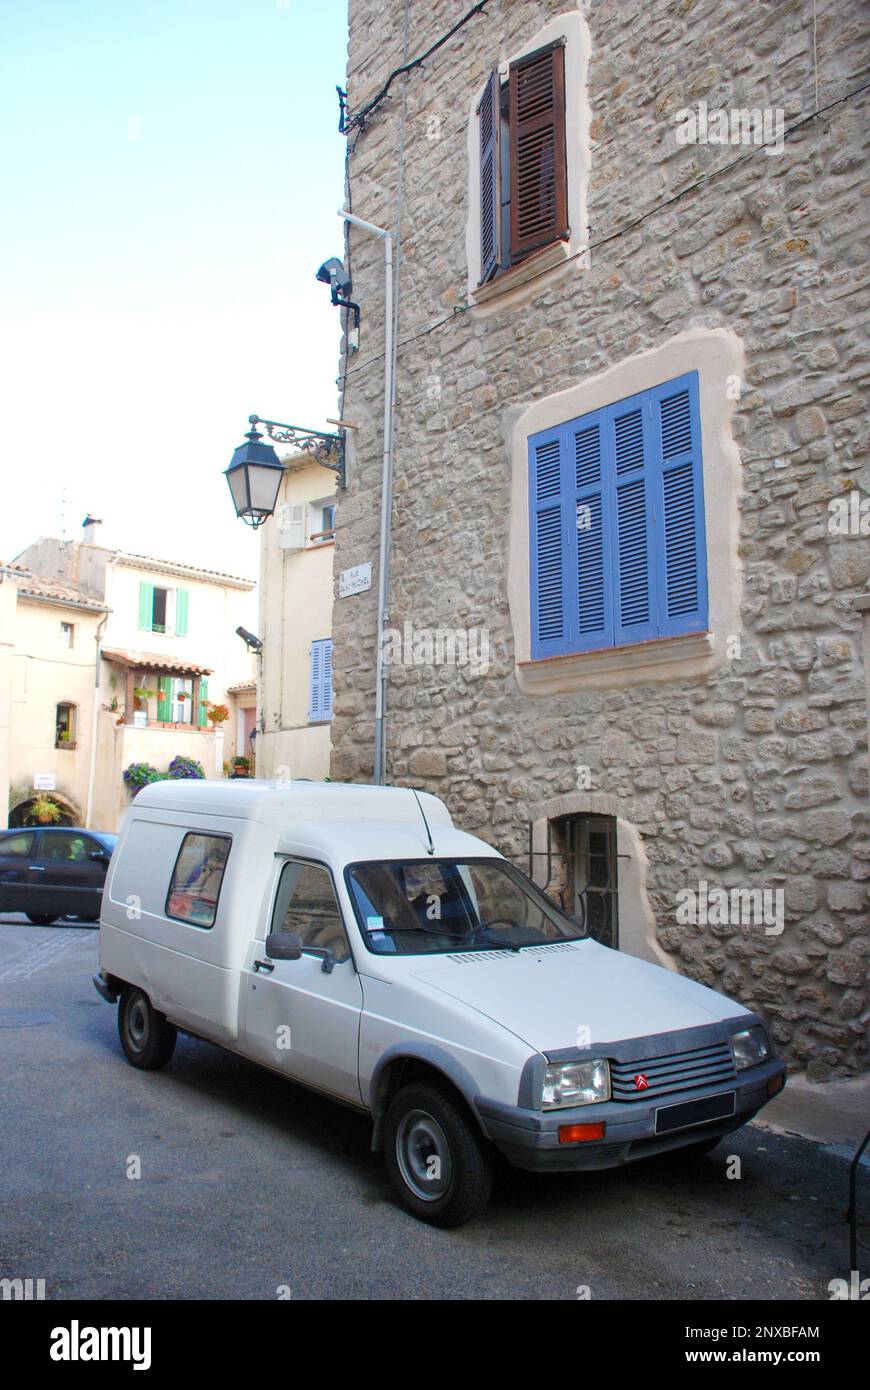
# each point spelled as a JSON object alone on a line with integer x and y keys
{"x": 56, "y": 872}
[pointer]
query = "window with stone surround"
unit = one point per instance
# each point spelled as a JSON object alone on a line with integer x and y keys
{"x": 528, "y": 150}
{"x": 523, "y": 165}
{"x": 617, "y": 537}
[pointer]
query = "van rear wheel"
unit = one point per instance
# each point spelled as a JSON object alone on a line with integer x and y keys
{"x": 436, "y": 1159}
{"x": 147, "y": 1037}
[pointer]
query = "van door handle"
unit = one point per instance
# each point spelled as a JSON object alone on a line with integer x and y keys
{"x": 263, "y": 965}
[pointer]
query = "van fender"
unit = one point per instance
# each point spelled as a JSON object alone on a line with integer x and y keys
{"x": 434, "y": 1056}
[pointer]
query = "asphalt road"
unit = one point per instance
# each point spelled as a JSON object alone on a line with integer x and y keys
{"x": 249, "y": 1184}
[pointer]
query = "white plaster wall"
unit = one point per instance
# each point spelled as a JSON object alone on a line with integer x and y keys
{"x": 296, "y": 609}
{"x": 214, "y": 613}
{"x": 46, "y": 673}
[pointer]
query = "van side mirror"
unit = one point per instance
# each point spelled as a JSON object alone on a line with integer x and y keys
{"x": 283, "y": 945}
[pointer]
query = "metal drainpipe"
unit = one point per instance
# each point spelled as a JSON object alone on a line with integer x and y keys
{"x": 92, "y": 768}
{"x": 386, "y": 490}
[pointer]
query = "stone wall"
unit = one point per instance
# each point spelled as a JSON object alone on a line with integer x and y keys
{"x": 756, "y": 775}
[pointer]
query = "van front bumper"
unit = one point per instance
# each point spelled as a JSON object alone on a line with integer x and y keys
{"x": 105, "y": 990}
{"x": 530, "y": 1138}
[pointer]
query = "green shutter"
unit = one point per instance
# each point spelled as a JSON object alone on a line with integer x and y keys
{"x": 164, "y": 685}
{"x": 146, "y": 606}
{"x": 181, "y": 612}
{"x": 203, "y": 695}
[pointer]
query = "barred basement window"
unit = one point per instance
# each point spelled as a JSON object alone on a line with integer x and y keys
{"x": 593, "y": 894}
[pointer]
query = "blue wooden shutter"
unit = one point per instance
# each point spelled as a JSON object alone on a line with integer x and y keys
{"x": 326, "y": 703}
{"x": 550, "y": 546}
{"x": 490, "y": 199}
{"x": 635, "y": 569}
{"x": 315, "y": 687}
{"x": 181, "y": 605}
{"x": 589, "y": 519}
{"x": 630, "y": 463}
{"x": 681, "y": 548}
{"x": 146, "y": 606}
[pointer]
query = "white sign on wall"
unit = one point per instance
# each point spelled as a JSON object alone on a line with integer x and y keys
{"x": 355, "y": 581}
{"x": 44, "y": 782}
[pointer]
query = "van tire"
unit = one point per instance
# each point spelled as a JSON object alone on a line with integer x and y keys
{"x": 423, "y": 1114}
{"x": 147, "y": 1037}
{"x": 41, "y": 919}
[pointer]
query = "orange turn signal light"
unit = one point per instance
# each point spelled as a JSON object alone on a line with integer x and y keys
{"x": 576, "y": 1134}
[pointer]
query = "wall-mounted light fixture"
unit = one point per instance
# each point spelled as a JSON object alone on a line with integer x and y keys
{"x": 255, "y": 471}
{"x": 333, "y": 274}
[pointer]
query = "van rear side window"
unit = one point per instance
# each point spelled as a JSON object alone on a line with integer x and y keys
{"x": 196, "y": 880}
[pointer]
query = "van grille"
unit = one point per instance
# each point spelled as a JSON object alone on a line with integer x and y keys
{"x": 681, "y": 1071}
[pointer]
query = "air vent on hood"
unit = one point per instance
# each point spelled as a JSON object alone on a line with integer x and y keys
{"x": 469, "y": 957}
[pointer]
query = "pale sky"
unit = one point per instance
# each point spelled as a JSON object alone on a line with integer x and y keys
{"x": 171, "y": 175}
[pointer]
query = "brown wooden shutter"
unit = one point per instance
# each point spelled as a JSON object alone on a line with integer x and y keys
{"x": 490, "y": 201}
{"x": 538, "y": 164}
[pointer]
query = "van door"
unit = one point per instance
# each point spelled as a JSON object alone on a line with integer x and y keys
{"x": 300, "y": 1018}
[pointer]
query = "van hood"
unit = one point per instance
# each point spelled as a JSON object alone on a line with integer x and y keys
{"x": 544, "y": 995}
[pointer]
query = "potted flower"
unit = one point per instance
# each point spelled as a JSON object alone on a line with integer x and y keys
{"x": 142, "y": 695}
{"x": 216, "y": 714}
{"x": 241, "y": 766}
{"x": 139, "y": 775}
{"x": 44, "y": 811}
{"x": 185, "y": 768}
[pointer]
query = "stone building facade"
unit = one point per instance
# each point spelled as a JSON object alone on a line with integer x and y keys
{"x": 732, "y": 756}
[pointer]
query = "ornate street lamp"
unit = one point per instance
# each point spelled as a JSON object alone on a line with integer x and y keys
{"x": 255, "y": 471}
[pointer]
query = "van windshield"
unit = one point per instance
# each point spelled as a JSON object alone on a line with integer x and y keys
{"x": 421, "y": 906}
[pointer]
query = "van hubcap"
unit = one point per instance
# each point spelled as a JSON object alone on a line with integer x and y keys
{"x": 137, "y": 1024}
{"x": 423, "y": 1155}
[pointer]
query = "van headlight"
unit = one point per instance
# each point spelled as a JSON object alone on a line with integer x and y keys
{"x": 749, "y": 1047}
{"x": 575, "y": 1083}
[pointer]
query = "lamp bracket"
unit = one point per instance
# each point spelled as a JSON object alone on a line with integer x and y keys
{"x": 325, "y": 449}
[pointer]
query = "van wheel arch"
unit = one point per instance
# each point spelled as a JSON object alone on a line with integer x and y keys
{"x": 400, "y": 1071}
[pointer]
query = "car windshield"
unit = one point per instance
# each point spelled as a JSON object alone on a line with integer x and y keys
{"x": 417, "y": 907}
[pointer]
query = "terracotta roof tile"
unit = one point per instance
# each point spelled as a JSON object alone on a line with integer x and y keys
{"x": 56, "y": 591}
{"x": 155, "y": 661}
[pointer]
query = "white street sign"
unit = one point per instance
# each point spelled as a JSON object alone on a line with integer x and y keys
{"x": 355, "y": 581}
{"x": 44, "y": 782}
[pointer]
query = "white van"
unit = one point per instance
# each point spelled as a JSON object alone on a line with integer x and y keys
{"x": 351, "y": 939}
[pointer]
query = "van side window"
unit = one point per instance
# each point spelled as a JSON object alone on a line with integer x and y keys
{"x": 196, "y": 880}
{"x": 306, "y": 904}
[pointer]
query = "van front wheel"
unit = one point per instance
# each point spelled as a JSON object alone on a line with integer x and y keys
{"x": 436, "y": 1159}
{"x": 147, "y": 1037}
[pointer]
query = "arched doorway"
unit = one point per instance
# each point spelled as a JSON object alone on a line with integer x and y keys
{"x": 24, "y": 813}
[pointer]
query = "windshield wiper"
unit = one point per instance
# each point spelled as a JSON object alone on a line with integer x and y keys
{"x": 470, "y": 938}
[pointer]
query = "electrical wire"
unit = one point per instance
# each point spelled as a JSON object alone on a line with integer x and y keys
{"x": 358, "y": 121}
{"x": 461, "y": 309}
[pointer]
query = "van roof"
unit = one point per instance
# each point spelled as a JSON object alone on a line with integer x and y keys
{"x": 285, "y": 802}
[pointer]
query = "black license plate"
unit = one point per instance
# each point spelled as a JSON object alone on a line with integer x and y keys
{"x": 695, "y": 1112}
